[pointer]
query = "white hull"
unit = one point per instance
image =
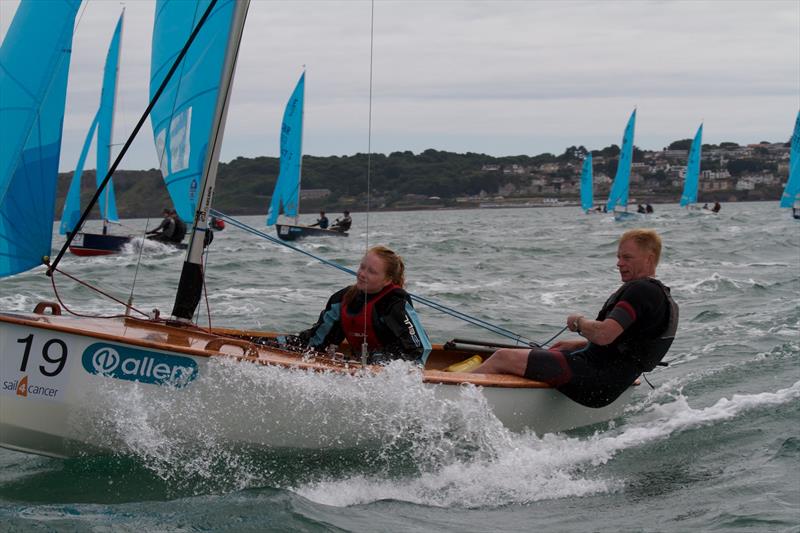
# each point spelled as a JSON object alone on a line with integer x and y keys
{"x": 267, "y": 398}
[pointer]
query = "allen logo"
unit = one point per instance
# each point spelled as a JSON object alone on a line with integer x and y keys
{"x": 22, "y": 387}
{"x": 134, "y": 364}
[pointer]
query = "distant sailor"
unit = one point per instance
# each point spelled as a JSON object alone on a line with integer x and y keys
{"x": 322, "y": 221}
{"x": 180, "y": 228}
{"x": 631, "y": 334}
{"x": 165, "y": 231}
{"x": 376, "y": 310}
{"x": 344, "y": 223}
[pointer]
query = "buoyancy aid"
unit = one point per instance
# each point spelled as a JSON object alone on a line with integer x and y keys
{"x": 646, "y": 352}
{"x": 354, "y": 325}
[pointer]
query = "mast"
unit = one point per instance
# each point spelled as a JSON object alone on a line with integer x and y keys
{"x": 191, "y": 281}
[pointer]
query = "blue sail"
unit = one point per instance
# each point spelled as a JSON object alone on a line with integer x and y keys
{"x": 71, "y": 213}
{"x": 285, "y": 197}
{"x": 792, "y": 189}
{"x": 34, "y": 63}
{"x": 689, "y": 195}
{"x": 183, "y": 117}
{"x": 619, "y": 189}
{"x": 103, "y": 123}
{"x": 105, "y": 116}
{"x": 587, "y": 194}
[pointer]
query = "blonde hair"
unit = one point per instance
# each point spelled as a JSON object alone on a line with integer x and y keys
{"x": 645, "y": 239}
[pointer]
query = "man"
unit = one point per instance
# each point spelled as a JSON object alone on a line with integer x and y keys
{"x": 180, "y": 227}
{"x": 343, "y": 224}
{"x": 630, "y": 335}
{"x": 322, "y": 221}
{"x": 166, "y": 230}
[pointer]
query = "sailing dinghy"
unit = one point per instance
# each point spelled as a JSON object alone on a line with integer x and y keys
{"x": 286, "y": 195}
{"x": 85, "y": 243}
{"x": 618, "y": 196}
{"x": 692, "y": 180}
{"x": 60, "y": 375}
{"x": 791, "y": 193}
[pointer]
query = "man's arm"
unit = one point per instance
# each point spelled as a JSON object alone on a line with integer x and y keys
{"x": 600, "y": 332}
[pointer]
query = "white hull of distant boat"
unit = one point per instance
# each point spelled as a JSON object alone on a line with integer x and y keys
{"x": 65, "y": 390}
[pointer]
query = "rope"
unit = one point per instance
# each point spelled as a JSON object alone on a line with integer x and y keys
{"x": 60, "y": 301}
{"x": 425, "y": 301}
{"x": 138, "y": 261}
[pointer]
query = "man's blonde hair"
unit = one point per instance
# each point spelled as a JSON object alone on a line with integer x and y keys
{"x": 645, "y": 239}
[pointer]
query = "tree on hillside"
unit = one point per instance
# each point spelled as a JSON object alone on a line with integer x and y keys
{"x": 683, "y": 144}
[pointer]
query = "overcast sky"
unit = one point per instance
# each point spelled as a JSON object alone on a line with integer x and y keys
{"x": 496, "y": 77}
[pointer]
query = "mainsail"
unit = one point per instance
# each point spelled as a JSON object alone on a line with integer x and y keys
{"x": 286, "y": 196}
{"x": 587, "y": 195}
{"x": 103, "y": 123}
{"x": 691, "y": 182}
{"x": 34, "y": 63}
{"x": 619, "y": 189}
{"x": 183, "y": 117}
{"x": 791, "y": 193}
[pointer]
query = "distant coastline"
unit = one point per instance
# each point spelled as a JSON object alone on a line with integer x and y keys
{"x": 446, "y": 180}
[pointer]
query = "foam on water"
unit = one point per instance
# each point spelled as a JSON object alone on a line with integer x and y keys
{"x": 530, "y": 469}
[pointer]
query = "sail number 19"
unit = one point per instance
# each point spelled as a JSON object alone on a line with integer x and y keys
{"x": 54, "y": 352}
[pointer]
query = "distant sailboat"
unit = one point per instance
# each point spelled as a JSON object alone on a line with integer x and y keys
{"x": 286, "y": 195}
{"x": 91, "y": 243}
{"x": 619, "y": 189}
{"x": 690, "y": 185}
{"x": 587, "y": 191}
{"x": 791, "y": 193}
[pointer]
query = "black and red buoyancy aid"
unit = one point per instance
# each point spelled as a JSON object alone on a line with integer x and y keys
{"x": 646, "y": 352}
{"x": 354, "y": 325}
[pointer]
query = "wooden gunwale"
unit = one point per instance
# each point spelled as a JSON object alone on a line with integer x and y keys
{"x": 190, "y": 340}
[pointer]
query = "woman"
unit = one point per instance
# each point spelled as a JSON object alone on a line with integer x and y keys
{"x": 375, "y": 309}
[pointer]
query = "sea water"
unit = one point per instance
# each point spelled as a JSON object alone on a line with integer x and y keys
{"x": 714, "y": 445}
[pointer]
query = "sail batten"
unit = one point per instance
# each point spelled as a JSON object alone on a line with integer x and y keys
{"x": 286, "y": 195}
{"x": 34, "y": 65}
{"x": 690, "y": 185}
{"x": 791, "y": 193}
{"x": 619, "y": 189}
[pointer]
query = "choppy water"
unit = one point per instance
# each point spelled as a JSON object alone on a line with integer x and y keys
{"x": 715, "y": 446}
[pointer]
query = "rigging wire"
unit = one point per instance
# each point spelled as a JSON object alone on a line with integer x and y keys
{"x": 364, "y": 344}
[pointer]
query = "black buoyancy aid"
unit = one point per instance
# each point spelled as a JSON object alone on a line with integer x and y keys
{"x": 180, "y": 230}
{"x": 354, "y": 325}
{"x": 646, "y": 352}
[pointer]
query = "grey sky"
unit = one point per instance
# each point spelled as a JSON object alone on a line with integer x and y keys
{"x": 498, "y": 77}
